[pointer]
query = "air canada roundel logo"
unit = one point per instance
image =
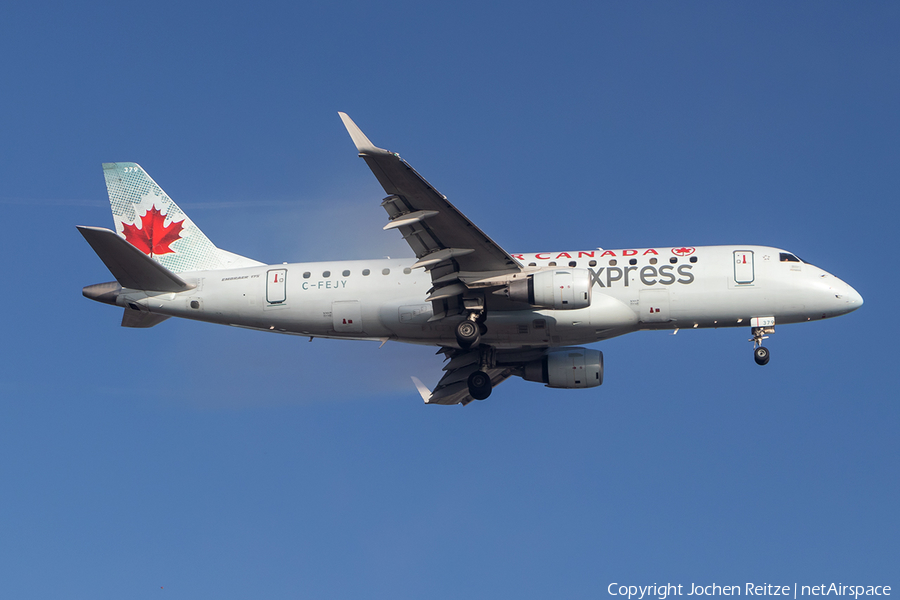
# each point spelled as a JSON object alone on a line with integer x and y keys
{"x": 153, "y": 236}
{"x": 683, "y": 251}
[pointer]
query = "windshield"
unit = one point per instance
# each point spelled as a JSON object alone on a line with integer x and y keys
{"x": 788, "y": 257}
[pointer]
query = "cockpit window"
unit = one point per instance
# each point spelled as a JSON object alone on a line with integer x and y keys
{"x": 788, "y": 257}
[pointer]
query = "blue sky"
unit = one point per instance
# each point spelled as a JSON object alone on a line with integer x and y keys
{"x": 190, "y": 460}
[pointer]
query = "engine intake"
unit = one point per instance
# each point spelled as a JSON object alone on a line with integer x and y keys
{"x": 567, "y": 368}
{"x": 559, "y": 289}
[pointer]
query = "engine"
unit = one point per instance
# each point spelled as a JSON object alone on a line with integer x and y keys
{"x": 567, "y": 368}
{"x": 560, "y": 289}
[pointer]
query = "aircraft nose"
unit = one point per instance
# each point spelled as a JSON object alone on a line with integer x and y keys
{"x": 846, "y": 297}
{"x": 854, "y": 299}
{"x": 833, "y": 296}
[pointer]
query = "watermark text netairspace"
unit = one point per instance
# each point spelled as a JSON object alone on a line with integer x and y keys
{"x": 661, "y": 591}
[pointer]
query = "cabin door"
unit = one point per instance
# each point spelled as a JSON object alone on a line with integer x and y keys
{"x": 743, "y": 266}
{"x": 276, "y": 290}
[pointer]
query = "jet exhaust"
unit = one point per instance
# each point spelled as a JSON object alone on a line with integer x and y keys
{"x": 107, "y": 293}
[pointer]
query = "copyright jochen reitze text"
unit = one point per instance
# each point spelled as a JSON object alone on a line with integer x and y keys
{"x": 664, "y": 590}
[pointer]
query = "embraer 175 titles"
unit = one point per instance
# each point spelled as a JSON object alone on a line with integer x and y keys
{"x": 492, "y": 314}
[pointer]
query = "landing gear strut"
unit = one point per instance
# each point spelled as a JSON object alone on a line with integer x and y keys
{"x": 760, "y": 352}
{"x": 479, "y": 385}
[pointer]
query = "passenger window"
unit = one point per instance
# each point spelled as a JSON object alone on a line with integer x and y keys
{"x": 326, "y": 274}
{"x": 552, "y": 263}
{"x": 612, "y": 262}
{"x": 407, "y": 271}
{"x": 572, "y": 263}
{"x": 653, "y": 261}
{"x": 532, "y": 264}
{"x": 366, "y": 272}
{"x": 693, "y": 259}
{"x": 386, "y": 272}
{"x": 673, "y": 260}
{"x": 593, "y": 263}
{"x": 346, "y": 273}
{"x": 306, "y": 275}
{"x": 632, "y": 261}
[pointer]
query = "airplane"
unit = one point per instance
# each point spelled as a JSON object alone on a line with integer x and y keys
{"x": 491, "y": 314}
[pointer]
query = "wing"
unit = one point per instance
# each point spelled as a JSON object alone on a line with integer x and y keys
{"x": 452, "y": 388}
{"x": 446, "y": 243}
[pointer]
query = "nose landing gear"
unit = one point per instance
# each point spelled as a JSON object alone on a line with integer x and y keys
{"x": 761, "y": 355}
{"x": 760, "y": 352}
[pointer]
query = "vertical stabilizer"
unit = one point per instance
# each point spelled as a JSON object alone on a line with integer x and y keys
{"x": 147, "y": 218}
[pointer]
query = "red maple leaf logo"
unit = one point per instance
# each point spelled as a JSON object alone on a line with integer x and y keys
{"x": 154, "y": 237}
{"x": 683, "y": 251}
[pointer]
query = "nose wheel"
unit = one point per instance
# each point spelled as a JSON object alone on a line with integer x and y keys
{"x": 760, "y": 352}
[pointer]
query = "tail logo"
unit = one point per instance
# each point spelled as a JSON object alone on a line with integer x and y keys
{"x": 153, "y": 237}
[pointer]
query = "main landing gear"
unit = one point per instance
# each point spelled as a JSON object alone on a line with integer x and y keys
{"x": 467, "y": 334}
{"x": 760, "y": 352}
{"x": 479, "y": 384}
{"x": 469, "y": 331}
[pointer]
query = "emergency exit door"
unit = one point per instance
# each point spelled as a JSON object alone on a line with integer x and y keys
{"x": 743, "y": 266}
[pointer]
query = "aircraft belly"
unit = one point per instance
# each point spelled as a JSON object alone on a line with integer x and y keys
{"x": 408, "y": 320}
{"x": 719, "y": 302}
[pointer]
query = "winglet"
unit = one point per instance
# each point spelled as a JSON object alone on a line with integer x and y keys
{"x": 363, "y": 145}
{"x": 423, "y": 391}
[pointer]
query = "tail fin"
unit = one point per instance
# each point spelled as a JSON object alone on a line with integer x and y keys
{"x": 147, "y": 218}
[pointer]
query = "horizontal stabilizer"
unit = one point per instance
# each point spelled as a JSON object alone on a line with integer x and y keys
{"x": 141, "y": 319}
{"x": 132, "y": 268}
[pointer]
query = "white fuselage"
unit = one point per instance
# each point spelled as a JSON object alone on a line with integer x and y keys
{"x": 661, "y": 288}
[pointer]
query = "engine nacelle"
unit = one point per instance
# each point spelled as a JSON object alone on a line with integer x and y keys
{"x": 567, "y": 368}
{"x": 559, "y": 289}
